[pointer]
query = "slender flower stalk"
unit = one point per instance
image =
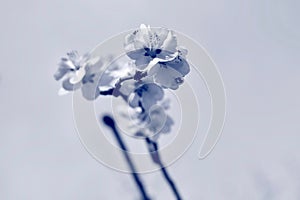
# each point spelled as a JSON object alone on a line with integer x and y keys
{"x": 111, "y": 123}
{"x": 153, "y": 150}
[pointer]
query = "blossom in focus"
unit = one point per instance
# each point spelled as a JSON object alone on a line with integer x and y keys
{"x": 170, "y": 74}
{"x": 145, "y": 44}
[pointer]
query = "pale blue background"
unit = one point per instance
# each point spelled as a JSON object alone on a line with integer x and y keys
{"x": 256, "y": 45}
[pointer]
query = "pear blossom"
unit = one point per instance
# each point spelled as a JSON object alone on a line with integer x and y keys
{"x": 155, "y": 53}
{"x": 146, "y": 44}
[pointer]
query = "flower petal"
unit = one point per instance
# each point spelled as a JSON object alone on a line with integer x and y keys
{"x": 170, "y": 42}
{"x": 61, "y": 72}
{"x": 180, "y": 65}
{"x": 167, "y": 126}
{"x": 90, "y": 91}
{"x": 134, "y": 41}
{"x": 134, "y": 100}
{"x": 153, "y": 94}
{"x": 158, "y": 118}
{"x": 162, "y": 33}
{"x": 142, "y": 62}
{"x": 135, "y": 54}
{"x": 79, "y": 74}
{"x": 166, "y": 76}
{"x": 73, "y": 56}
{"x": 127, "y": 87}
{"x": 161, "y": 60}
{"x": 67, "y": 85}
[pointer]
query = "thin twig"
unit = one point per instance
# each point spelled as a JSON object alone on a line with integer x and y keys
{"x": 153, "y": 150}
{"x": 110, "y": 123}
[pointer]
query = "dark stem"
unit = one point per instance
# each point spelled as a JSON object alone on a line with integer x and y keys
{"x": 114, "y": 92}
{"x": 107, "y": 92}
{"x": 153, "y": 150}
{"x": 111, "y": 123}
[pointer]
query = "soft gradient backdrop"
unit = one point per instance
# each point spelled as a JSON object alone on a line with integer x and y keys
{"x": 256, "y": 45}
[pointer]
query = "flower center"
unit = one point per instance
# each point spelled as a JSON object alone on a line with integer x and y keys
{"x": 152, "y": 52}
{"x": 179, "y": 80}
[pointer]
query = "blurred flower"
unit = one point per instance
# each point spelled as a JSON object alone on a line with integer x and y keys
{"x": 113, "y": 72}
{"x": 145, "y": 96}
{"x": 155, "y": 122}
{"x": 145, "y": 44}
{"x": 71, "y": 67}
{"x": 82, "y": 72}
{"x": 151, "y": 123}
{"x": 147, "y": 114}
{"x": 90, "y": 81}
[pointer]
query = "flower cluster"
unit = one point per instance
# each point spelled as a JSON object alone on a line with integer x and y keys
{"x": 154, "y": 63}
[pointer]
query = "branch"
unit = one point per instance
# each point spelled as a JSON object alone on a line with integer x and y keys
{"x": 153, "y": 150}
{"x": 111, "y": 123}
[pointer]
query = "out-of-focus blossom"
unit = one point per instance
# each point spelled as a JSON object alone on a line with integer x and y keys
{"x": 70, "y": 69}
{"x": 154, "y": 123}
{"x": 82, "y": 72}
{"x": 90, "y": 81}
{"x": 145, "y": 96}
{"x": 148, "y": 112}
{"x": 119, "y": 69}
{"x": 146, "y": 44}
{"x": 139, "y": 123}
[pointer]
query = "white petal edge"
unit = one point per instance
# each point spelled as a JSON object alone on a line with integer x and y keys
{"x": 78, "y": 76}
{"x": 157, "y": 60}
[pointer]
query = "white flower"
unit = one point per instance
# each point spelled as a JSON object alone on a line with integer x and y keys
{"x": 81, "y": 72}
{"x": 145, "y": 96}
{"x": 155, "y": 122}
{"x": 146, "y": 44}
{"x": 170, "y": 74}
{"x": 147, "y": 113}
{"x": 90, "y": 82}
{"x": 71, "y": 67}
{"x": 119, "y": 69}
{"x": 140, "y": 123}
